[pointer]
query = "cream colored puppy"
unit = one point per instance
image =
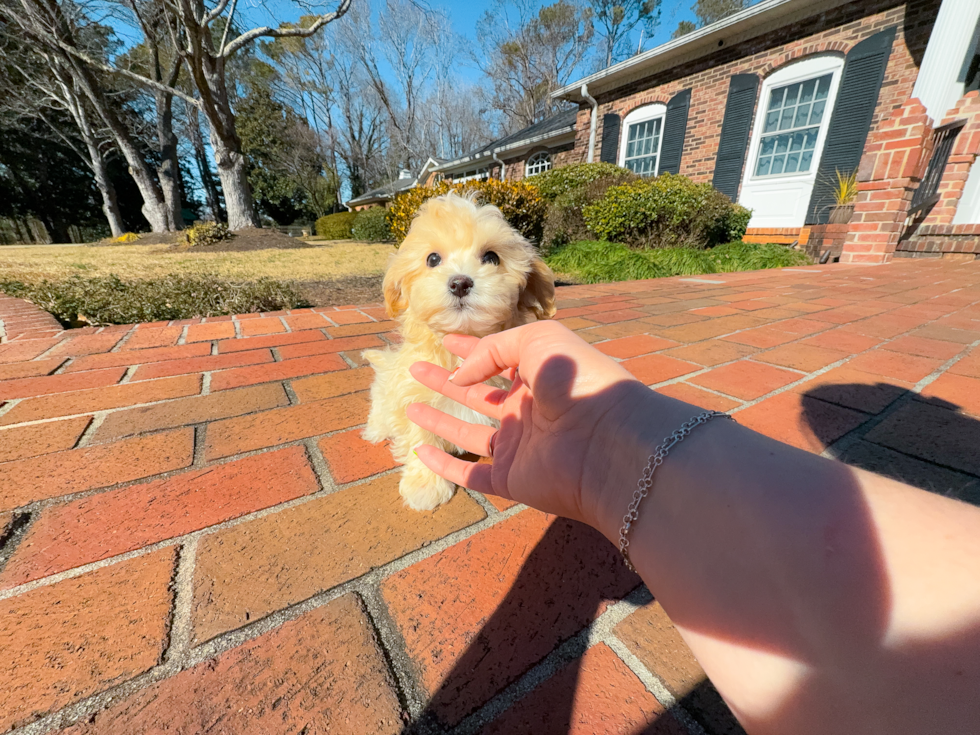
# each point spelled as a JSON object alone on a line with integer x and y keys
{"x": 461, "y": 270}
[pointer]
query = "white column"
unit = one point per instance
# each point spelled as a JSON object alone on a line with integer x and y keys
{"x": 942, "y": 75}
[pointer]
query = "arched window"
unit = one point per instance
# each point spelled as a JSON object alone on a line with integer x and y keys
{"x": 538, "y": 163}
{"x": 640, "y": 146}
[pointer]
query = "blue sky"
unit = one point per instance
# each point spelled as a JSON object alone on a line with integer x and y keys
{"x": 465, "y": 15}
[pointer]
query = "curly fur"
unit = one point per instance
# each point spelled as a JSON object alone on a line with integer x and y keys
{"x": 519, "y": 290}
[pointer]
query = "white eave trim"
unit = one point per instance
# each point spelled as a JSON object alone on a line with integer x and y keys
{"x": 763, "y": 17}
{"x": 554, "y": 135}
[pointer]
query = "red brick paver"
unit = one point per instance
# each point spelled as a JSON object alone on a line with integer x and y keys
{"x": 193, "y": 531}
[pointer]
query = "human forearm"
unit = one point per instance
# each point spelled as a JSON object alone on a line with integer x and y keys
{"x": 789, "y": 575}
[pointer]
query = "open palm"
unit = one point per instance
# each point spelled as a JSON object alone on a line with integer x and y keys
{"x": 558, "y": 422}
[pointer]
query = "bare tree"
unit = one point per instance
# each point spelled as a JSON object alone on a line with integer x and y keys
{"x": 212, "y": 196}
{"x": 400, "y": 58}
{"x": 157, "y": 60}
{"x": 193, "y": 31}
{"x": 47, "y": 93}
{"x": 525, "y": 58}
{"x": 615, "y": 21}
{"x": 709, "y": 11}
{"x": 56, "y": 29}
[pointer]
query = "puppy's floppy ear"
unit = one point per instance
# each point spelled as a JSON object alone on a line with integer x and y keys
{"x": 395, "y": 285}
{"x": 538, "y": 295}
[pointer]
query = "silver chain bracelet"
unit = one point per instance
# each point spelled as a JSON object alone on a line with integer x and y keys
{"x": 646, "y": 480}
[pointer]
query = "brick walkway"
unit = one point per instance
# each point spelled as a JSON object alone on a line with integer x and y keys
{"x": 195, "y": 538}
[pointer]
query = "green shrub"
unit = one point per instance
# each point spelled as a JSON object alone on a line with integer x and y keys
{"x": 207, "y": 233}
{"x": 110, "y": 300}
{"x": 666, "y": 211}
{"x": 336, "y": 226}
{"x": 519, "y": 202}
{"x": 564, "y": 222}
{"x": 552, "y": 184}
{"x": 591, "y": 261}
{"x": 371, "y": 225}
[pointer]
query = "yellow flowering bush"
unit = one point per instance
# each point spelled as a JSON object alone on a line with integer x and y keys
{"x": 519, "y": 201}
{"x": 207, "y": 233}
{"x": 127, "y": 237}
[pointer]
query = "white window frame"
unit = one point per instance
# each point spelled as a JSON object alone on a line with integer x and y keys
{"x": 801, "y": 71}
{"x": 540, "y": 161}
{"x": 787, "y": 195}
{"x": 480, "y": 174}
{"x": 654, "y": 111}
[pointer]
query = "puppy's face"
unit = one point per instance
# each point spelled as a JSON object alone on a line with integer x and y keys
{"x": 463, "y": 269}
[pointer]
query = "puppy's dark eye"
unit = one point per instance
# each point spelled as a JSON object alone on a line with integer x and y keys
{"x": 433, "y": 260}
{"x": 491, "y": 258}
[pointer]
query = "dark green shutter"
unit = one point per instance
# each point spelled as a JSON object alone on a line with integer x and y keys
{"x": 864, "y": 70}
{"x": 735, "y": 129}
{"x": 675, "y": 128}
{"x": 609, "y": 152}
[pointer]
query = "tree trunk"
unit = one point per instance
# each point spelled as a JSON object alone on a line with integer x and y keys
{"x": 227, "y": 146}
{"x": 234, "y": 184}
{"x": 110, "y": 205}
{"x": 154, "y": 206}
{"x": 204, "y": 169}
{"x": 168, "y": 171}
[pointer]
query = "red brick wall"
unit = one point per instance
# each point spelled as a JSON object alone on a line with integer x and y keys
{"x": 836, "y": 31}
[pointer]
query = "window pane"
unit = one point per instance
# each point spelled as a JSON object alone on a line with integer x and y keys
{"x": 805, "y": 160}
{"x": 823, "y": 87}
{"x": 816, "y": 114}
{"x": 792, "y": 93}
{"x": 782, "y": 143}
{"x": 772, "y": 120}
{"x": 768, "y": 146}
{"x": 763, "y": 168}
{"x": 786, "y": 121}
{"x": 777, "y": 164}
{"x": 776, "y": 98}
{"x": 792, "y": 163}
{"x": 802, "y": 116}
{"x": 806, "y": 93}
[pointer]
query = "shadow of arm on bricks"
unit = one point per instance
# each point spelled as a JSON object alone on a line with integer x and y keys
{"x": 819, "y": 598}
{"x": 922, "y": 441}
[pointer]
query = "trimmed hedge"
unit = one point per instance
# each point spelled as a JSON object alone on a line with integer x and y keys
{"x": 666, "y": 211}
{"x": 336, "y": 226}
{"x": 371, "y": 225}
{"x": 564, "y": 222}
{"x": 207, "y": 233}
{"x": 519, "y": 202}
{"x": 596, "y": 261}
{"x": 110, "y": 300}
{"x": 558, "y": 181}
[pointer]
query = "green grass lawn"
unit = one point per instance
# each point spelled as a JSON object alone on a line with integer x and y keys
{"x": 597, "y": 261}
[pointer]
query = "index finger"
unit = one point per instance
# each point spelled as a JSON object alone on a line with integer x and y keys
{"x": 487, "y": 357}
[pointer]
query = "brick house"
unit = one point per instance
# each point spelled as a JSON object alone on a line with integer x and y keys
{"x": 545, "y": 144}
{"x": 769, "y": 103}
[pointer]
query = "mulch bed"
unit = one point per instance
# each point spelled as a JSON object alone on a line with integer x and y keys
{"x": 342, "y": 291}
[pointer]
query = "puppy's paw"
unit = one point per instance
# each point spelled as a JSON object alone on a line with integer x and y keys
{"x": 374, "y": 434}
{"x": 423, "y": 489}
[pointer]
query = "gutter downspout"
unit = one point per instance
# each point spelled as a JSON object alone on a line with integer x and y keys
{"x": 592, "y": 120}
{"x": 503, "y": 169}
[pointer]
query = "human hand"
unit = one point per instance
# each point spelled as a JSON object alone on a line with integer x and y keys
{"x": 569, "y": 425}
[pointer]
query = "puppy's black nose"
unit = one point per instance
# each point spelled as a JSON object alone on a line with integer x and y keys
{"x": 460, "y": 285}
